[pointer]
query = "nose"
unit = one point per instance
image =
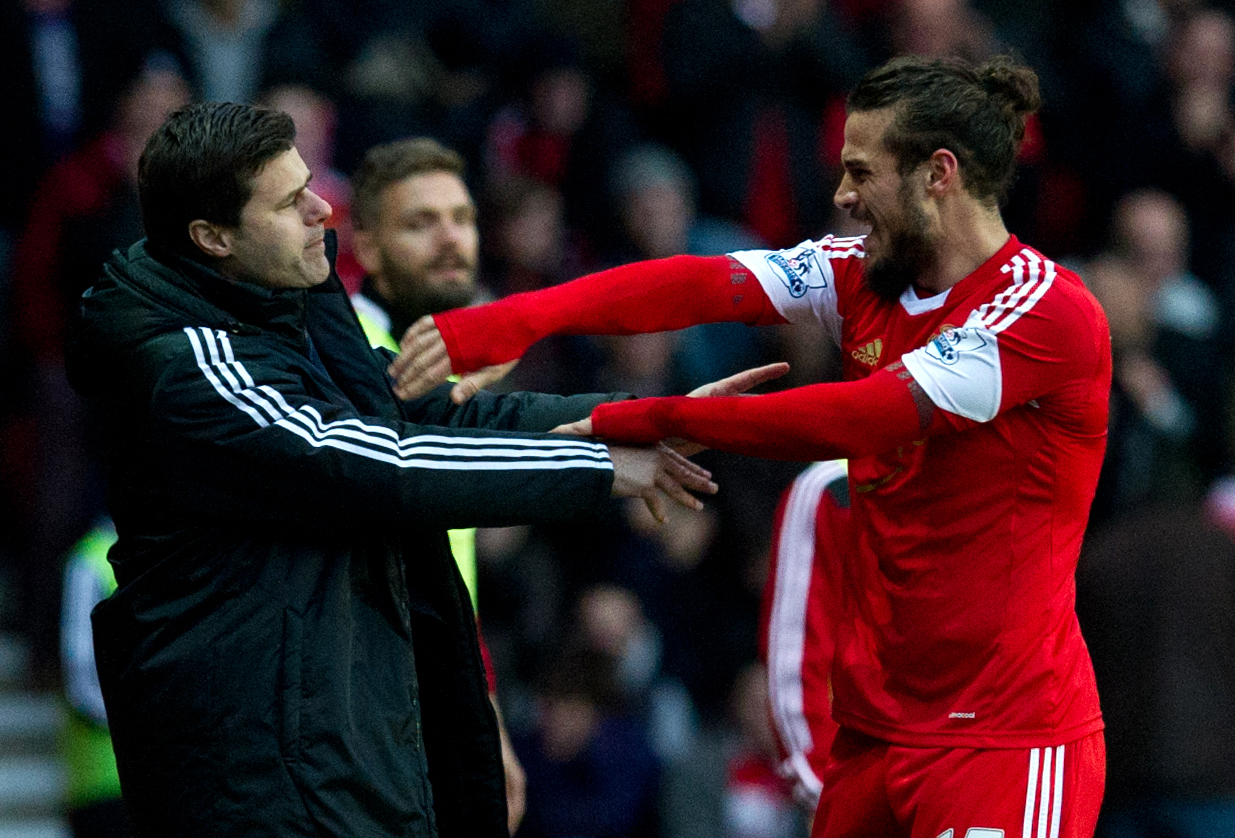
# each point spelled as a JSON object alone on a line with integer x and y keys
{"x": 453, "y": 232}
{"x": 846, "y": 196}
{"x": 317, "y": 209}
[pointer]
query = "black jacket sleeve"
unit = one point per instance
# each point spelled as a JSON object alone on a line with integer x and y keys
{"x": 243, "y": 432}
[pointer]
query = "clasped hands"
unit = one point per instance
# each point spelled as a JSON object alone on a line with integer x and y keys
{"x": 653, "y": 474}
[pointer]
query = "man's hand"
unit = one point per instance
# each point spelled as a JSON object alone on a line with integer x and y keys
{"x": 735, "y": 385}
{"x": 739, "y": 383}
{"x": 516, "y": 777}
{"x": 653, "y": 473}
{"x": 424, "y": 363}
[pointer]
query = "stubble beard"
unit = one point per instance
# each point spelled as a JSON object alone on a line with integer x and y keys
{"x": 909, "y": 253}
{"x": 418, "y": 296}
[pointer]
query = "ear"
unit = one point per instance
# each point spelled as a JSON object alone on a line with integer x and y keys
{"x": 943, "y": 172}
{"x": 214, "y": 241}
{"x": 366, "y": 251}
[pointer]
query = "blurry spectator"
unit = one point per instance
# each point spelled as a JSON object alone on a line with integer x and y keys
{"x": 1198, "y": 163}
{"x": 316, "y": 119}
{"x": 1166, "y": 393}
{"x": 527, "y": 245}
{"x": 942, "y": 28}
{"x": 84, "y": 208}
{"x": 433, "y": 69}
{"x": 224, "y": 42}
{"x": 1156, "y": 601}
{"x": 750, "y": 85}
{"x": 758, "y": 800}
{"x": 688, "y": 580}
{"x": 64, "y": 64}
{"x": 613, "y": 623}
{"x": 95, "y": 809}
{"x": 42, "y": 66}
{"x": 590, "y": 770}
{"x": 654, "y": 199}
{"x": 418, "y": 244}
{"x": 562, "y": 131}
{"x": 1172, "y": 128}
{"x": 640, "y": 364}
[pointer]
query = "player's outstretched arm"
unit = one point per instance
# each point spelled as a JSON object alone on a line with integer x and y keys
{"x": 654, "y": 296}
{"x": 818, "y": 422}
{"x": 735, "y": 385}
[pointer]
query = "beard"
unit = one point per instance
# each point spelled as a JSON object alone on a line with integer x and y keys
{"x": 417, "y": 294}
{"x": 909, "y": 253}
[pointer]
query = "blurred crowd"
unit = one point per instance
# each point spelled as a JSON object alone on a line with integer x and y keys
{"x": 598, "y": 132}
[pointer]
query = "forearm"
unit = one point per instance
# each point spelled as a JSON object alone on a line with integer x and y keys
{"x": 522, "y": 412}
{"x": 819, "y": 422}
{"x": 655, "y": 296}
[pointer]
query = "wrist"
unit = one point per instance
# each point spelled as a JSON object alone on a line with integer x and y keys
{"x": 632, "y": 422}
{"x": 483, "y": 336}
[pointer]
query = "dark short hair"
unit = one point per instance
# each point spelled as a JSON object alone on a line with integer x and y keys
{"x": 201, "y": 163}
{"x": 978, "y": 112}
{"x": 387, "y": 164}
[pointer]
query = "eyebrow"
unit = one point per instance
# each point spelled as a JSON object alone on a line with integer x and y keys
{"x": 291, "y": 196}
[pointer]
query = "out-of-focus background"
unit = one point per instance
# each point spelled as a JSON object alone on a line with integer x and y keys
{"x": 599, "y": 132}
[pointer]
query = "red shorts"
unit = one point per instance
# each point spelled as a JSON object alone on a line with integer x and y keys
{"x": 872, "y": 789}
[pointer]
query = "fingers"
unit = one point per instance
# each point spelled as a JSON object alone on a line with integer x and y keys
{"x": 472, "y": 383}
{"x": 740, "y": 382}
{"x": 690, "y": 474}
{"x": 675, "y": 492}
{"x": 581, "y": 428}
{"x": 685, "y": 447}
{"x": 423, "y": 362}
{"x": 748, "y": 379}
{"x": 676, "y": 478}
{"x": 420, "y": 377}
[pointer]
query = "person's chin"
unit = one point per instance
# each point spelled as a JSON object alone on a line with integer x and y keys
{"x": 318, "y": 271}
{"x": 453, "y": 278}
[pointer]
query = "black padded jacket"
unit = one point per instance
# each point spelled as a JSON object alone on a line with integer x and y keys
{"x": 291, "y": 651}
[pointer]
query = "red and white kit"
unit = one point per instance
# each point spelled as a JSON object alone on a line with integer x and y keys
{"x": 967, "y": 541}
{"x": 801, "y": 606}
{"x": 958, "y": 627}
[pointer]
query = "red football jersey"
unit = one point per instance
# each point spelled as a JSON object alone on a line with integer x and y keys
{"x": 801, "y": 607}
{"x": 959, "y": 626}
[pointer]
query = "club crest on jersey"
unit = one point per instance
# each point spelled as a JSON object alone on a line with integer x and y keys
{"x": 949, "y": 344}
{"x": 799, "y": 269}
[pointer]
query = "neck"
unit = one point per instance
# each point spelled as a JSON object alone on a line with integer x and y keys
{"x": 402, "y": 313}
{"x": 972, "y": 232}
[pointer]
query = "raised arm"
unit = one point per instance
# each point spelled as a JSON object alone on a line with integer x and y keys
{"x": 655, "y": 296}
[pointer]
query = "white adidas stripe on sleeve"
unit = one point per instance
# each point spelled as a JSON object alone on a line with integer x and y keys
{"x": 266, "y": 406}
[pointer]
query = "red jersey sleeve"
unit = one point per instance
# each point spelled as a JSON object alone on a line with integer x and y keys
{"x": 655, "y": 296}
{"x": 818, "y": 422}
{"x": 1041, "y": 341}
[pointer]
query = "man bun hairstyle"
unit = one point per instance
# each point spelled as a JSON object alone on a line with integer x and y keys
{"x": 976, "y": 112}
{"x": 387, "y": 164}
{"x": 200, "y": 164}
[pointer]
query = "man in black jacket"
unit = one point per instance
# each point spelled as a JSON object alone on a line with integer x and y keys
{"x": 291, "y": 650}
